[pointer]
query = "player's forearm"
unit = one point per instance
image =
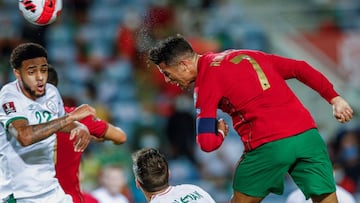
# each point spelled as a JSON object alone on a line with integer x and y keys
{"x": 29, "y": 134}
{"x": 208, "y": 137}
{"x": 115, "y": 134}
{"x": 69, "y": 127}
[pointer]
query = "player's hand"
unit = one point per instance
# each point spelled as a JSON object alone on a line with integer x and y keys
{"x": 223, "y": 126}
{"x": 82, "y": 137}
{"x": 82, "y": 111}
{"x": 341, "y": 109}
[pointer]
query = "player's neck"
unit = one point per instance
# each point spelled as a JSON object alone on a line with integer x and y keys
{"x": 25, "y": 92}
{"x": 151, "y": 195}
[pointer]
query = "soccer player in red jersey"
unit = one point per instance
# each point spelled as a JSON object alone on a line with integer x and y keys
{"x": 278, "y": 132}
{"x": 68, "y": 161}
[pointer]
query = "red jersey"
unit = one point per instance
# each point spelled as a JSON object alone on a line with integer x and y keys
{"x": 251, "y": 87}
{"x": 68, "y": 161}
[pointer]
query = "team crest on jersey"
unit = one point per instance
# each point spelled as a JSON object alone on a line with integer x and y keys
{"x": 51, "y": 106}
{"x": 9, "y": 107}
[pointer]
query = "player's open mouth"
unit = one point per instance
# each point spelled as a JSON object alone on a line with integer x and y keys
{"x": 41, "y": 88}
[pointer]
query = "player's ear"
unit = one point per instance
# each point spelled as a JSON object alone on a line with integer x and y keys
{"x": 137, "y": 183}
{"x": 17, "y": 73}
{"x": 184, "y": 66}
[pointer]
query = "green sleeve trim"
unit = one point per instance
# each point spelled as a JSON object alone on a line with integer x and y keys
{"x": 14, "y": 119}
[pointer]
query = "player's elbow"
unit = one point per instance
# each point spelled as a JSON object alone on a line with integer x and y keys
{"x": 206, "y": 148}
{"x": 120, "y": 140}
{"x": 116, "y": 135}
{"x": 24, "y": 140}
{"x": 23, "y": 137}
{"x": 208, "y": 142}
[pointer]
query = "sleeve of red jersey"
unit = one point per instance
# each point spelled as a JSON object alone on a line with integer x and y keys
{"x": 304, "y": 72}
{"x": 97, "y": 127}
{"x": 208, "y": 137}
{"x": 207, "y": 96}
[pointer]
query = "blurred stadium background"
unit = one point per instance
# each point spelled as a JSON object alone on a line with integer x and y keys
{"x": 99, "y": 49}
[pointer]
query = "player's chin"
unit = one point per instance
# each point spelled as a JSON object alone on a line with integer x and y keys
{"x": 188, "y": 86}
{"x": 40, "y": 93}
{"x": 184, "y": 87}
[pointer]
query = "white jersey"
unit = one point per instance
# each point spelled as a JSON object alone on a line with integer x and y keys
{"x": 32, "y": 166}
{"x": 5, "y": 173}
{"x": 182, "y": 193}
{"x": 104, "y": 196}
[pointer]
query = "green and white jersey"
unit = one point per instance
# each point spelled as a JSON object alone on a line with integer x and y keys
{"x": 5, "y": 173}
{"x": 185, "y": 193}
{"x": 32, "y": 166}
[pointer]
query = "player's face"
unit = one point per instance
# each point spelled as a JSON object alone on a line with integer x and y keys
{"x": 33, "y": 75}
{"x": 178, "y": 74}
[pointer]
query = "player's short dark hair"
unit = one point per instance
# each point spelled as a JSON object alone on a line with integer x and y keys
{"x": 151, "y": 169}
{"x": 26, "y": 51}
{"x": 169, "y": 50}
{"x": 52, "y": 76}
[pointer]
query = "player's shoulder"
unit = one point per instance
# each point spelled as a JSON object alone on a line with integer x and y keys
{"x": 10, "y": 91}
{"x": 187, "y": 186}
{"x": 52, "y": 91}
{"x": 8, "y": 87}
{"x": 51, "y": 88}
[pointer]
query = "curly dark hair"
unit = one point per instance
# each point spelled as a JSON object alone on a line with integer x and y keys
{"x": 26, "y": 51}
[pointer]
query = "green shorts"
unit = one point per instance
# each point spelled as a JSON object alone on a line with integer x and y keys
{"x": 304, "y": 156}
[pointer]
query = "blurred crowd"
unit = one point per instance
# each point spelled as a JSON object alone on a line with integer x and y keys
{"x": 99, "y": 50}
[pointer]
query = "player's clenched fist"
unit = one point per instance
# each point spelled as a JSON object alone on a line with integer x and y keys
{"x": 341, "y": 109}
{"x": 82, "y": 137}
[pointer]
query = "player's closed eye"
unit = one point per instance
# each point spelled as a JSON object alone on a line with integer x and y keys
{"x": 30, "y": 72}
{"x": 168, "y": 76}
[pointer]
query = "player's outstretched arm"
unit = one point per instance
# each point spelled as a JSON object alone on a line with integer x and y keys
{"x": 28, "y": 134}
{"x": 115, "y": 134}
{"x": 341, "y": 109}
{"x": 112, "y": 133}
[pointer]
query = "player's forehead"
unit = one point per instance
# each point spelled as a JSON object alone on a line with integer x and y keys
{"x": 38, "y": 62}
{"x": 166, "y": 66}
